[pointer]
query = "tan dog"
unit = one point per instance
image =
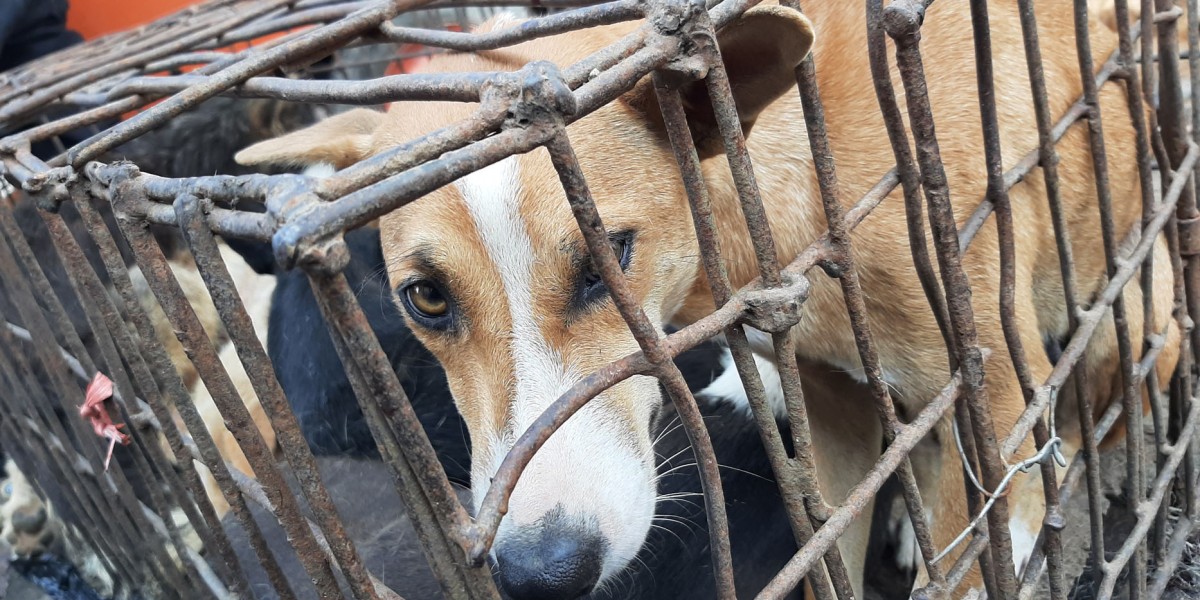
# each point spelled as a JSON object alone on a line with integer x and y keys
{"x": 493, "y": 276}
{"x": 255, "y": 291}
{"x": 184, "y": 270}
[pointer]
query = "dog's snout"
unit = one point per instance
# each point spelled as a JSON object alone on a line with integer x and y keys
{"x": 556, "y": 558}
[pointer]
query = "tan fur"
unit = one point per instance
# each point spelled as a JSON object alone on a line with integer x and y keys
{"x": 352, "y": 140}
{"x": 255, "y": 291}
{"x": 184, "y": 270}
{"x": 633, "y": 178}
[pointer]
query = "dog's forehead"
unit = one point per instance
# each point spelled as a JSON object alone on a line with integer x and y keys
{"x": 511, "y": 192}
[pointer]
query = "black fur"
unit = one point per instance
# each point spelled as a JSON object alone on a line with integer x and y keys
{"x": 57, "y": 578}
{"x": 675, "y": 563}
{"x": 316, "y": 385}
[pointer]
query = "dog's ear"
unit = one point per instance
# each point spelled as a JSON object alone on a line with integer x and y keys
{"x": 761, "y": 51}
{"x": 340, "y": 140}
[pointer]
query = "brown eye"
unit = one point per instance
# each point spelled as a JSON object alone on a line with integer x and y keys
{"x": 426, "y": 300}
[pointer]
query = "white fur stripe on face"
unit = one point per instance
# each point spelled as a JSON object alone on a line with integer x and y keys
{"x": 591, "y": 467}
{"x": 492, "y": 197}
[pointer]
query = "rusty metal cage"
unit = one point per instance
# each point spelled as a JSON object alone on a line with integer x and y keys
{"x": 45, "y": 362}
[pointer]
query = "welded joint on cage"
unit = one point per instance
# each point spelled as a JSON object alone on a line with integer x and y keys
{"x": 327, "y": 254}
{"x": 670, "y": 17}
{"x": 536, "y": 94}
{"x": 111, "y": 175}
{"x": 1189, "y": 236}
{"x": 689, "y": 22}
{"x": 1170, "y": 14}
{"x": 51, "y": 188}
{"x": 777, "y": 309}
{"x": 1055, "y": 518}
{"x": 903, "y": 18}
{"x": 48, "y": 186}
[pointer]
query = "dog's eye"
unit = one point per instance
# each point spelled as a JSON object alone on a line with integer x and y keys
{"x": 593, "y": 287}
{"x": 427, "y": 304}
{"x": 6, "y": 491}
{"x": 426, "y": 300}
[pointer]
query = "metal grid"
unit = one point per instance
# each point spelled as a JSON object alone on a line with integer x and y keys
{"x": 305, "y": 220}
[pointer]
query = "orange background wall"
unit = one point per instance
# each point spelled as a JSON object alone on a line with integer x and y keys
{"x": 94, "y": 18}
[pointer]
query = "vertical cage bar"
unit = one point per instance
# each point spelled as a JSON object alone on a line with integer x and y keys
{"x": 902, "y": 22}
{"x": 1186, "y": 278}
{"x": 750, "y": 199}
{"x": 802, "y": 468}
{"x": 165, "y": 377}
{"x": 648, "y": 337}
{"x": 206, "y": 522}
{"x": 1130, "y": 396}
{"x": 190, "y": 211}
{"x": 98, "y": 502}
{"x": 191, "y": 334}
{"x": 842, "y": 258}
{"x": 103, "y": 320}
{"x": 437, "y": 516}
{"x": 1051, "y": 547}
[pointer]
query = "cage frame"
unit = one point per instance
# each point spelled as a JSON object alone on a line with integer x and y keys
{"x": 518, "y": 112}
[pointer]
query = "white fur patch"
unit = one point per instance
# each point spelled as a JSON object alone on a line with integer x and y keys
{"x": 491, "y": 195}
{"x": 319, "y": 170}
{"x": 1023, "y": 540}
{"x": 589, "y": 466}
{"x": 760, "y": 341}
{"x": 908, "y": 552}
{"x": 728, "y": 386}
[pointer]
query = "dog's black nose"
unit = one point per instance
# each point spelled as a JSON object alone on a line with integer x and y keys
{"x": 556, "y": 558}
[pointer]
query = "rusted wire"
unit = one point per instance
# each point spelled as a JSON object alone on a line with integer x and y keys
{"x": 897, "y": 452}
{"x": 167, "y": 380}
{"x": 440, "y": 521}
{"x": 305, "y": 219}
{"x": 902, "y": 22}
